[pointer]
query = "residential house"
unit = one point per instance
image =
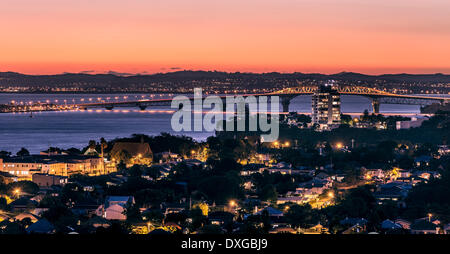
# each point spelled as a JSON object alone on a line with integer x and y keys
{"x": 167, "y": 157}
{"x": 422, "y": 161}
{"x": 357, "y": 225}
{"x": 42, "y": 226}
{"x": 353, "y": 221}
{"x": 253, "y": 168}
{"x": 87, "y": 206}
{"x": 97, "y": 221}
{"x": 272, "y": 212}
{"x": 33, "y": 218}
{"x": 404, "y": 223}
{"x": 6, "y": 177}
{"x": 391, "y": 192}
{"x": 389, "y": 225}
{"x": 323, "y": 176}
{"x": 292, "y": 199}
{"x": 283, "y": 230}
{"x": 173, "y": 208}
{"x": 220, "y": 217}
{"x": 194, "y": 162}
{"x": 427, "y": 175}
{"x": 424, "y": 226}
{"x": 46, "y": 180}
{"x": 313, "y": 188}
{"x": 444, "y": 150}
{"x": 115, "y": 207}
{"x": 402, "y": 173}
{"x": 374, "y": 173}
{"x": 447, "y": 229}
{"x": 22, "y": 204}
{"x": 23, "y": 167}
{"x": 413, "y": 123}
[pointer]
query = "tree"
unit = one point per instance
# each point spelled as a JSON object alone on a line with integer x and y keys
{"x": 203, "y": 207}
{"x": 198, "y": 218}
{"x": 225, "y": 165}
{"x": 358, "y": 202}
{"x": 268, "y": 193}
{"x": 303, "y": 118}
{"x": 3, "y": 203}
{"x": 154, "y": 172}
{"x": 58, "y": 213}
{"x": 257, "y": 224}
{"x": 92, "y": 144}
{"x": 116, "y": 228}
{"x": 365, "y": 116}
{"x": 72, "y": 192}
{"x": 302, "y": 216}
{"x": 154, "y": 216}
{"x": 135, "y": 171}
{"x": 211, "y": 230}
{"x": 14, "y": 228}
{"x": 121, "y": 156}
{"x": 133, "y": 214}
{"x": 103, "y": 146}
{"x": 73, "y": 151}
{"x": 346, "y": 119}
{"x": 221, "y": 188}
{"x": 24, "y": 187}
{"x": 121, "y": 166}
{"x": 5, "y": 154}
{"x": 23, "y": 152}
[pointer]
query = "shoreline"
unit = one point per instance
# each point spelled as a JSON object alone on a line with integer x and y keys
{"x": 74, "y": 92}
{"x": 146, "y": 92}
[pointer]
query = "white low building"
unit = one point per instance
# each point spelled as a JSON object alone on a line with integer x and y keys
{"x": 115, "y": 207}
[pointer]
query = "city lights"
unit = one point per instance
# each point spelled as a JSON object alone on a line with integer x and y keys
{"x": 320, "y": 118}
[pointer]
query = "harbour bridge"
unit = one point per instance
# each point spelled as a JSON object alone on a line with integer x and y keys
{"x": 286, "y": 95}
{"x": 376, "y": 96}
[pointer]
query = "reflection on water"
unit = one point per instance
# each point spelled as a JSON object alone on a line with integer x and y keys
{"x": 76, "y": 128}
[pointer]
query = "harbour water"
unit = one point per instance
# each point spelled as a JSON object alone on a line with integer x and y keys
{"x": 75, "y": 128}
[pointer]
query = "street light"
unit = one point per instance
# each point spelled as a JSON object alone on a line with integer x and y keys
{"x": 330, "y": 194}
{"x": 17, "y": 192}
{"x": 339, "y": 145}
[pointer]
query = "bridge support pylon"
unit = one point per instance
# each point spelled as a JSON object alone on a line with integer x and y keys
{"x": 142, "y": 107}
{"x": 285, "y": 101}
{"x": 375, "y": 105}
{"x": 109, "y": 107}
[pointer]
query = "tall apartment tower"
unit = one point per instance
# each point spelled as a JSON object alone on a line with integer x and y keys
{"x": 326, "y": 107}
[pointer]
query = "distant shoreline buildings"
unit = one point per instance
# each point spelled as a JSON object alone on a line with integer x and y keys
{"x": 23, "y": 167}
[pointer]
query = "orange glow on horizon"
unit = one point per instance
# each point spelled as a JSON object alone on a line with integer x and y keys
{"x": 326, "y": 36}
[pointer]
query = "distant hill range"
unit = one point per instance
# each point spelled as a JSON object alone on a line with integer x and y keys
{"x": 199, "y": 75}
{"x": 179, "y": 79}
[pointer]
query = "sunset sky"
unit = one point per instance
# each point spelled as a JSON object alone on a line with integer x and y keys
{"x": 148, "y": 36}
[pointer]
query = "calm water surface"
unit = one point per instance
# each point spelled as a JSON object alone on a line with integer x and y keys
{"x": 76, "y": 128}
